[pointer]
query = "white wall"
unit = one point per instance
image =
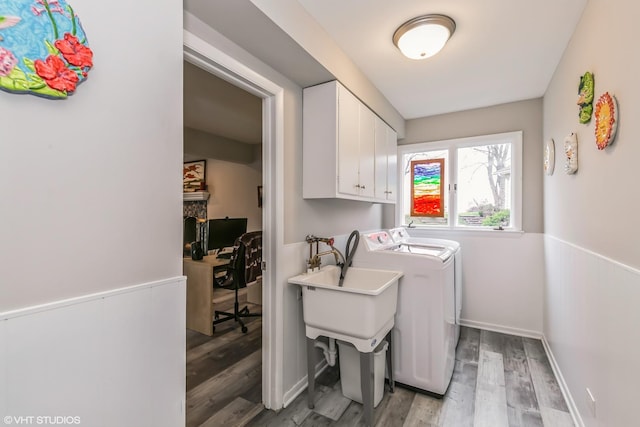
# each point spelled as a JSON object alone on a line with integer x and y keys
{"x": 91, "y": 202}
{"x": 90, "y": 185}
{"x": 592, "y": 257}
{"x": 233, "y": 190}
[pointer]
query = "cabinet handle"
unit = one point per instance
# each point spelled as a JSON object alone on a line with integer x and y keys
{"x": 362, "y": 187}
{"x": 357, "y": 185}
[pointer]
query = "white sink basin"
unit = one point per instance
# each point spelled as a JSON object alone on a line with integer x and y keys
{"x": 364, "y": 304}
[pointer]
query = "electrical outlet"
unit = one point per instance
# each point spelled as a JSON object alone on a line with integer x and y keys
{"x": 591, "y": 403}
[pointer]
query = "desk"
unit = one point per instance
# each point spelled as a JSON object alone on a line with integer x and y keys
{"x": 200, "y": 292}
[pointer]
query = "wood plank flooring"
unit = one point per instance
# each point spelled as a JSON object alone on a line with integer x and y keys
{"x": 498, "y": 380}
{"x": 224, "y": 372}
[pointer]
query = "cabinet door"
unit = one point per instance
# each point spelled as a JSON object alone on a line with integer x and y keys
{"x": 386, "y": 162}
{"x": 348, "y": 142}
{"x": 381, "y": 153}
{"x": 366, "y": 152}
{"x": 392, "y": 164}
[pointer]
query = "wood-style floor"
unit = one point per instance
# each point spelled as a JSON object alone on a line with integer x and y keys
{"x": 224, "y": 372}
{"x": 499, "y": 380}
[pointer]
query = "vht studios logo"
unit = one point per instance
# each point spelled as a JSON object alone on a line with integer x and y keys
{"x": 46, "y": 420}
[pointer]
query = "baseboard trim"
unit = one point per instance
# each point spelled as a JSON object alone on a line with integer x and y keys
{"x": 502, "y": 329}
{"x": 573, "y": 409}
{"x": 301, "y": 385}
{"x": 90, "y": 297}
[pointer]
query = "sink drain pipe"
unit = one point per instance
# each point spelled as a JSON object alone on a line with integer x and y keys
{"x": 329, "y": 351}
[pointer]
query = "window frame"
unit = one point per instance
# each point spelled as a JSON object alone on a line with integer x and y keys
{"x": 451, "y": 146}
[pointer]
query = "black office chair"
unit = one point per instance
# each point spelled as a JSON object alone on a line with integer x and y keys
{"x": 244, "y": 267}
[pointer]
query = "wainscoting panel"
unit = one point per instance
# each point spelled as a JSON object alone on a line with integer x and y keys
{"x": 114, "y": 358}
{"x": 3, "y": 372}
{"x": 54, "y": 361}
{"x": 592, "y": 325}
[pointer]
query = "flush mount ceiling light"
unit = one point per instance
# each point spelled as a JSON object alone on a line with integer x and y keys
{"x": 424, "y": 36}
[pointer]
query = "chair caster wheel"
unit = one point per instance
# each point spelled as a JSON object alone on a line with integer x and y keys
{"x": 244, "y": 329}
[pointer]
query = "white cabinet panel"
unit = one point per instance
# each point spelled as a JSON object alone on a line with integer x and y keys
{"x": 348, "y": 142}
{"x": 392, "y": 164}
{"x": 386, "y": 142}
{"x": 366, "y": 152}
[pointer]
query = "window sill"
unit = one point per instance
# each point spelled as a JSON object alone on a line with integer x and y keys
{"x": 422, "y": 231}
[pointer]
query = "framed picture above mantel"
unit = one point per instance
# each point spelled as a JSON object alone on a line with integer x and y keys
{"x": 194, "y": 176}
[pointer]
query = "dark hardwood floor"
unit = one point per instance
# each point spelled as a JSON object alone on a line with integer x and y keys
{"x": 499, "y": 380}
{"x": 224, "y": 372}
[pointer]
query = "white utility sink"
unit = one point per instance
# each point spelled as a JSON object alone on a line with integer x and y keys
{"x": 361, "y": 308}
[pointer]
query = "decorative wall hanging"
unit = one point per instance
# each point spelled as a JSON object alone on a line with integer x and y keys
{"x": 585, "y": 97}
{"x": 606, "y": 120}
{"x": 194, "y": 176}
{"x": 43, "y": 48}
{"x": 549, "y": 157}
{"x": 571, "y": 153}
{"x": 427, "y": 188}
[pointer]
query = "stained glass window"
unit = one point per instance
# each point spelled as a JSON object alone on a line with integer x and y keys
{"x": 427, "y": 188}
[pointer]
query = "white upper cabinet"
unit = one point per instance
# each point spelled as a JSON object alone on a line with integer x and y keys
{"x": 342, "y": 157}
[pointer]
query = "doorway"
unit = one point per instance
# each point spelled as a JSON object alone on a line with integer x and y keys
{"x": 222, "y": 207}
{"x": 207, "y": 57}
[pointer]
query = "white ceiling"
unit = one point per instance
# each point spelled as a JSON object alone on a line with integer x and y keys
{"x": 501, "y": 51}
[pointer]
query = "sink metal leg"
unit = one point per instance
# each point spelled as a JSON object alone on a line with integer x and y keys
{"x": 311, "y": 371}
{"x": 392, "y": 384}
{"x": 366, "y": 386}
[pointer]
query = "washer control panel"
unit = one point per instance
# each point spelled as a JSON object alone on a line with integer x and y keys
{"x": 377, "y": 240}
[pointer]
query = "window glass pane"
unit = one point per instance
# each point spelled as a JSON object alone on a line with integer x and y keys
{"x": 483, "y": 195}
{"x": 428, "y": 186}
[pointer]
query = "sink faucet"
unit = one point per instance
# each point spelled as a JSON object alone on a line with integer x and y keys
{"x": 315, "y": 260}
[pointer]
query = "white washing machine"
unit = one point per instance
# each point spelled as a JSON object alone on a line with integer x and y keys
{"x": 402, "y": 235}
{"x": 425, "y": 333}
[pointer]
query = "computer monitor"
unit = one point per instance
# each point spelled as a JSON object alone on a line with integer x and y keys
{"x": 223, "y": 233}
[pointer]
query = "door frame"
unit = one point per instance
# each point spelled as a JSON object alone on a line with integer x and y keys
{"x": 211, "y": 59}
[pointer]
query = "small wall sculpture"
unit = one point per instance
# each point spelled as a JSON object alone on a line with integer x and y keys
{"x": 549, "y": 157}
{"x": 606, "y": 120}
{"x": 585, "y": 97}
{"x": 571, "y": 154}
{"x": 43, "y": 48}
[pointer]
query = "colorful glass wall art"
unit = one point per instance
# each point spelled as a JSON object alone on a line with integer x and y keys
{"x": 43, "y": 48}
{"x": 427, "y": 188}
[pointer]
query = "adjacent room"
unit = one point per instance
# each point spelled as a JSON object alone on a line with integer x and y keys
{"x": 222, "y": 243}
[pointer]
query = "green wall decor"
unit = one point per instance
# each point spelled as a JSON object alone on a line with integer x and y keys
{"x": 585, "y": 97}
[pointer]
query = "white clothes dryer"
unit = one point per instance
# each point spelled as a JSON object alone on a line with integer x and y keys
{"x": 424, "y": 337}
